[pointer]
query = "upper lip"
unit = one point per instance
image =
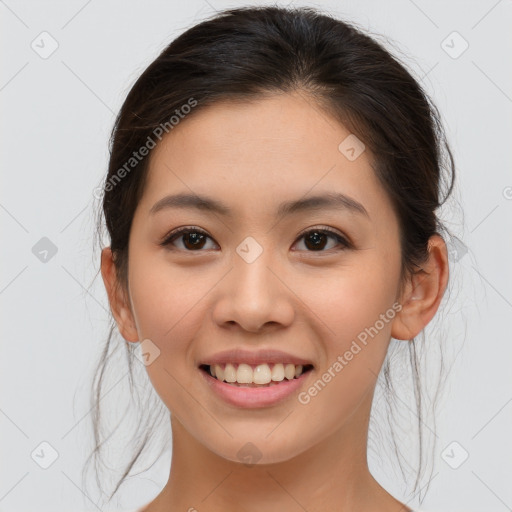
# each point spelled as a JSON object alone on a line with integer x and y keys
{"x": 254, "y": 357}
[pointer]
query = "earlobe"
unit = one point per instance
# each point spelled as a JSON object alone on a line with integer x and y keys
{"x": 423, "y": 292}
{"x": 119, "y": 303}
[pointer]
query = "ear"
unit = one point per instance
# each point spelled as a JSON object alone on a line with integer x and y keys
{"x": 119, "y": 302}
{"x": 423, "y": 292}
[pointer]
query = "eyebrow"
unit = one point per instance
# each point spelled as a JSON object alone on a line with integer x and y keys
{"x": 330, "y": 200}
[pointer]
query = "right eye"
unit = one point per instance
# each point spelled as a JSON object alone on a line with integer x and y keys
{"x": 192, "y": 239}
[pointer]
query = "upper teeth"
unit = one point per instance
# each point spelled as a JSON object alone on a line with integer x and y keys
{"x": 262, "y": 374}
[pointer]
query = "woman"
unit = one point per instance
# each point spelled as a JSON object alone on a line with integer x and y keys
{"x": 271, "y": 204}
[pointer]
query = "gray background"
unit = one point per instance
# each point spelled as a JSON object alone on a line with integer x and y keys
{"x": 57, "y": 111}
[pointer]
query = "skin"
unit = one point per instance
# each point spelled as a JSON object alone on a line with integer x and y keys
{"x": 192, "y": 303}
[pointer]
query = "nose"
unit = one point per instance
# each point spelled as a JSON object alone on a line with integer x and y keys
{"x": 254, "y": 296}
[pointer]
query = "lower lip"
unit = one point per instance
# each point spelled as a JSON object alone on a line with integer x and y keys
{"x": 254, "y": 397}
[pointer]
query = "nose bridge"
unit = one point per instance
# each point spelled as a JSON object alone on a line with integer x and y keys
{"x": 252, "y": 277}
{"x": 252, "y": 295}
{"x": 253, "y": 280}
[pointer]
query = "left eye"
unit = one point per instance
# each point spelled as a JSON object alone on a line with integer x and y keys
{"x": 193, "y": 239}
{"x": 317, "y": 238}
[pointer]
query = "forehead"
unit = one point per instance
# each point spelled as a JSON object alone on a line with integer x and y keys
{"x": 263, "y": 152}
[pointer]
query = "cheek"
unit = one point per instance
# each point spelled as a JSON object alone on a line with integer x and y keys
{"x": 348, "y": 300}
{"x": 354, "y": 304}
{"x": 168, "y": 311}
{"x": 164, "y": 297}
{"x": 356, "y": 309}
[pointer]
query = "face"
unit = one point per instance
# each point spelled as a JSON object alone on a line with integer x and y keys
{"x": 318, "y": 281}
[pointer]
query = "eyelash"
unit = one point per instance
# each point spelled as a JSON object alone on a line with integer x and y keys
{"x": 323, "y": 230}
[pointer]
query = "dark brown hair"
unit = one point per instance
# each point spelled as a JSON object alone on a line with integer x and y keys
{"x": 246, "y": 53}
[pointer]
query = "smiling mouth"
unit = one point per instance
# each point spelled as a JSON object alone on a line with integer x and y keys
{"x": 255, "y": 376}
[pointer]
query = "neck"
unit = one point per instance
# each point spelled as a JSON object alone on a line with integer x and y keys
{"x": 332, "y": 475}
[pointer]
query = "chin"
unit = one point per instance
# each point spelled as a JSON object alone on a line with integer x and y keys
{"x": 254, "y": 450}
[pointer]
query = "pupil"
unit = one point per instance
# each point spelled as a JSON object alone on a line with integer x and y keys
{"x": 316, "y": 235}
{"x": 196, "y": 238}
